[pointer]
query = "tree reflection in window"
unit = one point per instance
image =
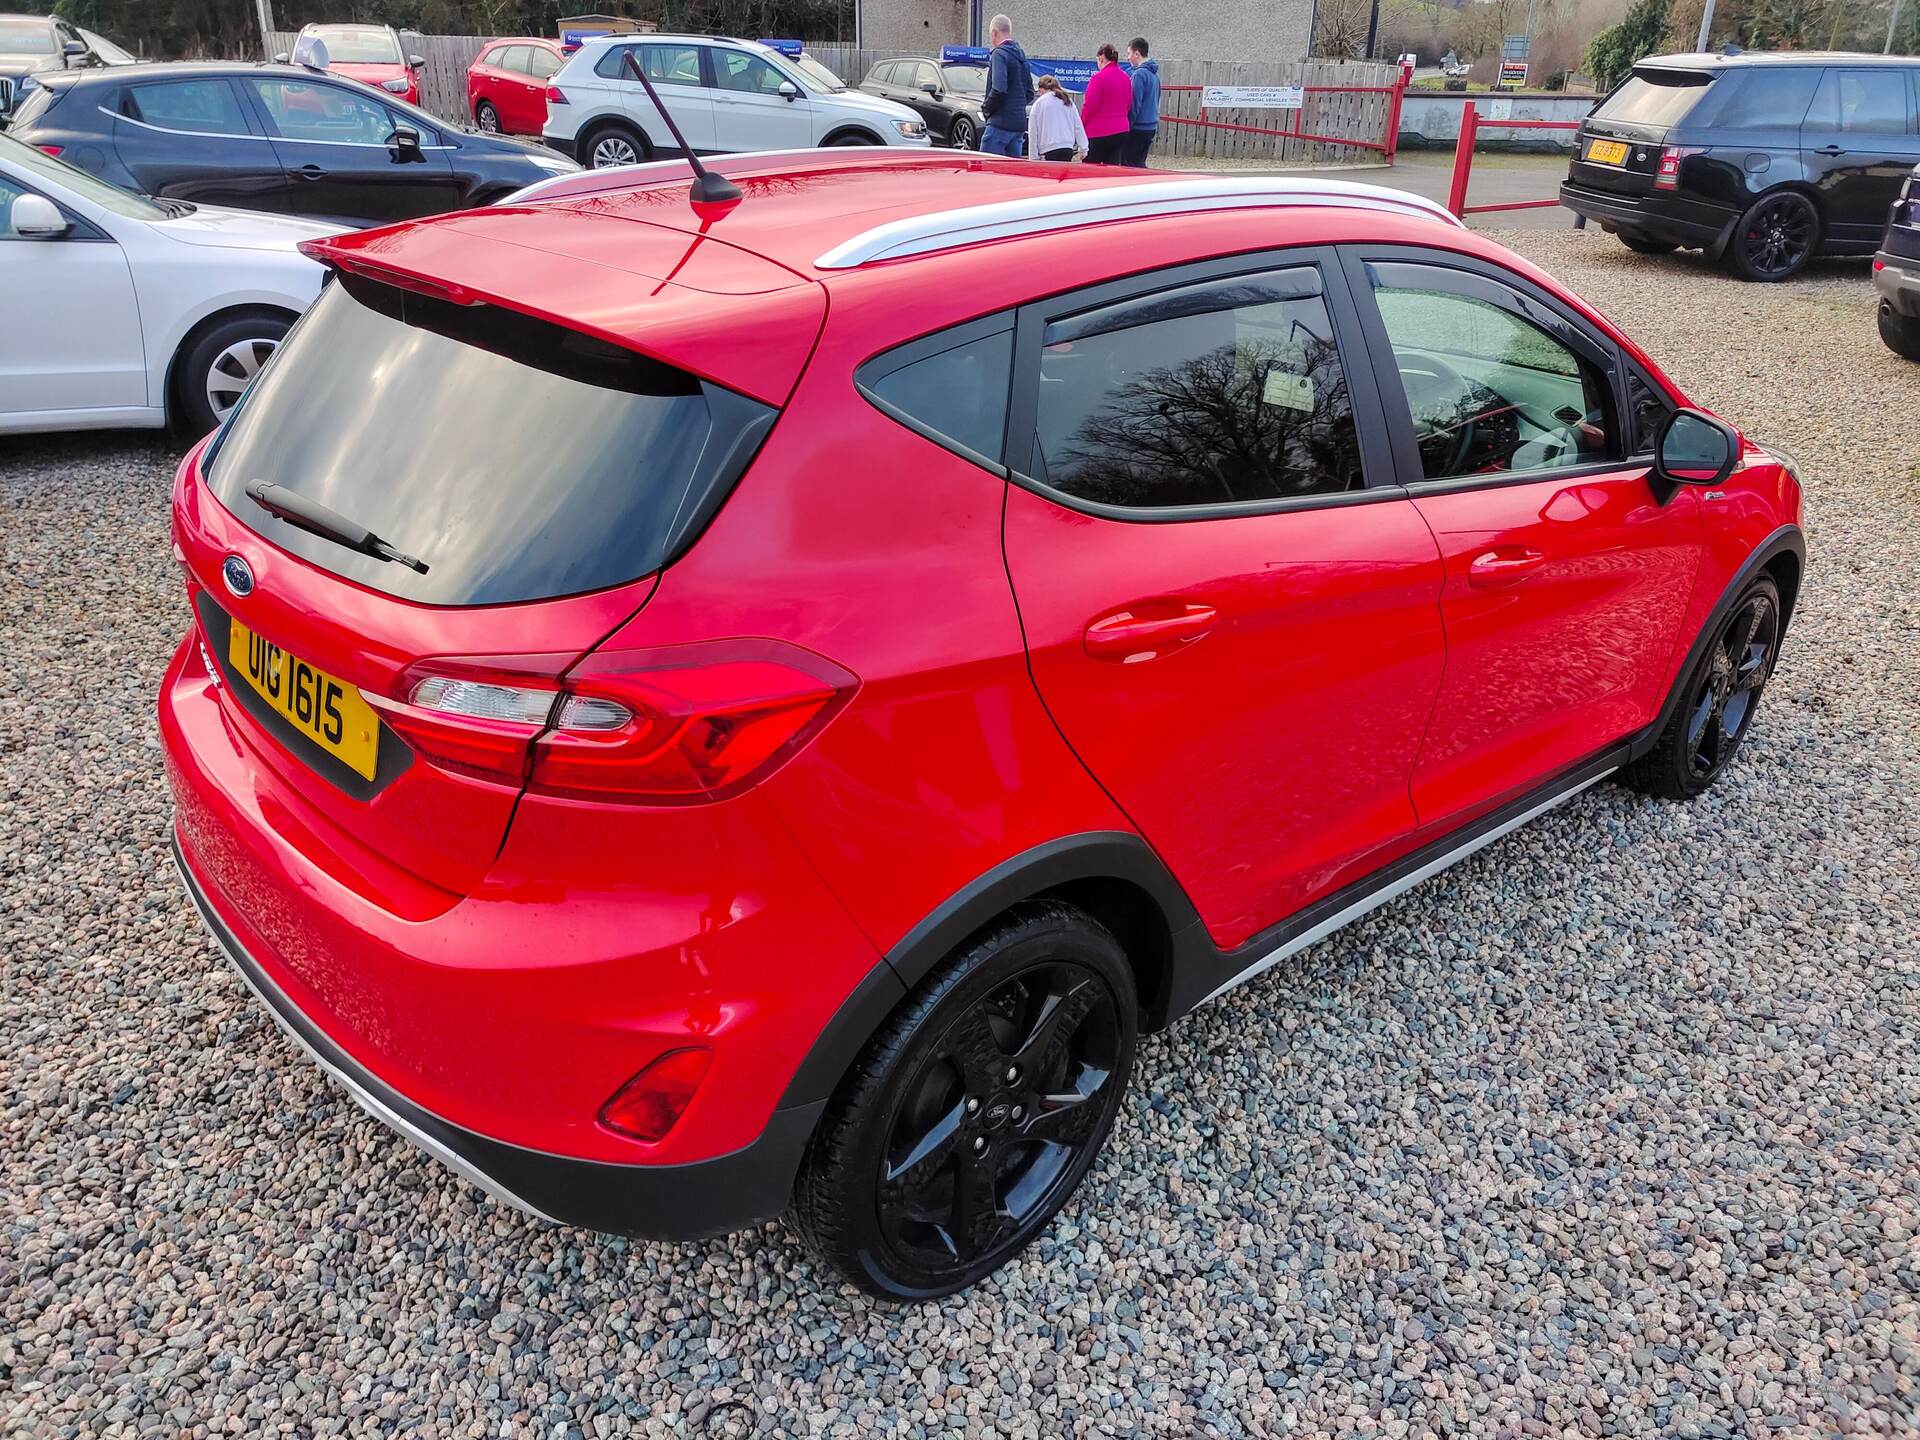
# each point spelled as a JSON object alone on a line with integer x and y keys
{"x": 1206, "y": 407}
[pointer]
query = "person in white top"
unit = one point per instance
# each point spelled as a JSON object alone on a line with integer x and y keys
{"x": 1054, "y": 131}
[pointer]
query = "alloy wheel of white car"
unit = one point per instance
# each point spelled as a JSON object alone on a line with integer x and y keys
{"x": 611, "y": 150}
{"x": 233, "y": 370}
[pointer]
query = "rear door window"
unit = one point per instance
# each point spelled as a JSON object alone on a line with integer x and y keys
{"x": 1655, "y": 97}
{"x": 207, "y": 107}
{"x": 1862, "y": 102}
{"x": 520, "y": 460}
{"x": 1766, "y": 98}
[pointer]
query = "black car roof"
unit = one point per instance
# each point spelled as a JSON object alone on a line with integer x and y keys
{"x": 1698, "y": 61}
{"x": 113, "y": 74}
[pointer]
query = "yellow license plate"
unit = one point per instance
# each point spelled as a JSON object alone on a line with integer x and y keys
{"x": 327, "y": 711}
{"x": 1607, "y": 152}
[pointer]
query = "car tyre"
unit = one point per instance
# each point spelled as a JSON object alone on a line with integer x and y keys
{"x": 217, "y": 366}
{"x": 1776, "y": 237}
{"x": 854, "y": 137}
{"x": 1721, "y": 697}
{"x": 610, "y": 144}
{"x": 486, "y": 117}
{"x": 1647, "y": 245}
{"x": 976, "y": 1109}
{"x": 1901, "y": 333}
{"x": 962, "y": 135}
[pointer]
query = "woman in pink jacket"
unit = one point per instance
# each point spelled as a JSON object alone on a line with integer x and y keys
{"x": 1104, "y": 111}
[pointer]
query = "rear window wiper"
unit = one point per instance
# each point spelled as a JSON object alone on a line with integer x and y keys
{"x": 317, "y": 519}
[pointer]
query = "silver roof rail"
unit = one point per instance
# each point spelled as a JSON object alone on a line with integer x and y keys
{"x": 1064, "y": 210}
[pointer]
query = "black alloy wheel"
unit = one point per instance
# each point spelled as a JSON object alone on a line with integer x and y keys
{"x": 1776, "y": 237}
{"x": 976, "y": 1110}
{"x": 1722, "y": 695}
{"x": 962, "y": 135}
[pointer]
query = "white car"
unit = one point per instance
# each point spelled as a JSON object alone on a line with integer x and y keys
{"x": 725, "y": 95}
{"x": 119, "y": 310}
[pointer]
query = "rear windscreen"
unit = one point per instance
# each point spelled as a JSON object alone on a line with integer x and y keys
{"x": 519, "y": 460}
{"x": 1654, "y": 97}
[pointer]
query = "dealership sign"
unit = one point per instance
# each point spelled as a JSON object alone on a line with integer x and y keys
{"x": 1513, "y": 72}
{"x": 1253, "y": 97}
{"x": 1072, "y": 74}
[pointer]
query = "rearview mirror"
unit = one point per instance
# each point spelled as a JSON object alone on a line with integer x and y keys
{"x": 1695, "y": 449}
{"x": 789, "y": 90}
{"x": 405, "y": 143}
{"x": 34, "y": 217}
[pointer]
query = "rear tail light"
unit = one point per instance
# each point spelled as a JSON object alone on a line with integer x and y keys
{"x": 683, "y": 725}
{"x": 53, "y": 150}
{"x": 647, "y": 1106}
{"x": 557, "y": 96}
{"x": 1667, "y": 177}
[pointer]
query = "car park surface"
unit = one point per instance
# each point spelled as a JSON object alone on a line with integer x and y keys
{"x": 1612, "y": 1125}
{"x": 277, "y": 138}
{"x": 1766, "y": 159}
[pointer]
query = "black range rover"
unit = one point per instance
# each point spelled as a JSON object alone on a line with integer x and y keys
{"x": 1763, "y": 159}
{"x": 1896, "y": 272}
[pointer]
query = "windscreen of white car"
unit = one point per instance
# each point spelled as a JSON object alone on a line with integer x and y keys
{"x": 26, "y": 37}
{"x": 361, "y": 45}
{"x": 82, "y": 185}
{"x": 817, "y": 75}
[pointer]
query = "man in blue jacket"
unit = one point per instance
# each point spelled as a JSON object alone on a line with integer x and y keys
{"x": 1143, "y": 119}
{"x": 1009, "y": 92}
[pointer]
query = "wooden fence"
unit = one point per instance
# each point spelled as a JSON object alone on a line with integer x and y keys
{"x": 1357, "y": 114}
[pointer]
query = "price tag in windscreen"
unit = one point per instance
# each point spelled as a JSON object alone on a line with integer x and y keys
{"x": 1288, "y": 389}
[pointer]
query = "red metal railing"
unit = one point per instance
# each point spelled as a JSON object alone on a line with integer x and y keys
{"x": 1470, "y": 123}
{"x": 1387, "y": 145}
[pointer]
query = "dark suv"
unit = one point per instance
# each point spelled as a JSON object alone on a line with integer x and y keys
{"x": 948, "y": 97}
{"x": 1896, "y": 272}
{"x": 36, "y": 45}
{"x": 1766, "y": 160}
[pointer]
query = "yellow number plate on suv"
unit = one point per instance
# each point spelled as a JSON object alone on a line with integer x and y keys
{"x": 1607, "y": 152}
{"x": 327, "y": 711}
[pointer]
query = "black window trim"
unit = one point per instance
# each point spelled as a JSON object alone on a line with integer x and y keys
{"x": 1376, "y": 459}
{"x": 1503, "y": 287}
{"x": 876, "y": 369}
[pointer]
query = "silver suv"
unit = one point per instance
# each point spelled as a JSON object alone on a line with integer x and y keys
{"x": 725, "y": 95}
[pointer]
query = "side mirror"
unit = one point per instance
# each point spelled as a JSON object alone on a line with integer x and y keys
{"x": 1695, "y": 449}
{"x": 405, "y": 144}
{"x": 933, "y": 90}
{"x": 34, "y": 217}
{"x": 74, "y": 50}
{"x": 416, "y": 62}
{"x": 280, "y": 57}
{"x": 789, "y": 91}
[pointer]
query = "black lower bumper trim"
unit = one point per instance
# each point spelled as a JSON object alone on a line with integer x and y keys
{"x": 654, "y": 1202}
{"x": 1640, "y": 215}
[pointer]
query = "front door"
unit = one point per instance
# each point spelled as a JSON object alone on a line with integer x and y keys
{"x": 1567, "y": 570}
{"x": 1238, "y": 637}
{"x": 749, "y": 112}
{"x": 69, "y": 304}
{"x": 336, "y": 146}
{"x": 1858, "y": 143}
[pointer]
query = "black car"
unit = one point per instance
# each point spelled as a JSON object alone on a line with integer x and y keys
{"x": 1896, "y": 272}
{"x": 1765, "y": 159}
{"x": 948, "y": 97}
{"x": 36, "y": 45}
{"x": 274, "y": 137}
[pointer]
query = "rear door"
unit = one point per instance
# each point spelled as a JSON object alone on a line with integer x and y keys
{"x": 196, "y": 139}
{"x": 676, "y": 73}
{"x": 542, "y": 66}
{"x": 1568, "y": 569}
{"x": 1618, "y": 146}
{"x": 335, "y": 143}
{"x": 1858, "y": 143}
{"x": 1235, "y": 631}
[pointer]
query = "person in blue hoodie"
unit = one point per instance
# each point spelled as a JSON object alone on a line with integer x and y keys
{"x": 1009, "y": 92}
{"x": 1143, "y": 120}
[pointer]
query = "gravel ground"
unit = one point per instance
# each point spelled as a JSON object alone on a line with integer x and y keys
{"x": 1614, "y": 1129}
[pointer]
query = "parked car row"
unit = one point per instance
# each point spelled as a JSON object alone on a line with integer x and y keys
{"x": 36, "y": 45}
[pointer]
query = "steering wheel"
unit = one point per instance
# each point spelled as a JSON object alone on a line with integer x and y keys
{"x": 1441, "y": 383}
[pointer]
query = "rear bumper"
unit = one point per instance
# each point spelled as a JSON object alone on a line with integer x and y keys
{"x": 664, "y": 1202}
{"x": 1664, "y": 217}
{"x": 1897, "y": 278}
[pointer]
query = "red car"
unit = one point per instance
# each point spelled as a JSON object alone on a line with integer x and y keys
{"x": 371, "y": 54}
{"x": 507, "y": 85}
{"x": 701, "y": 715}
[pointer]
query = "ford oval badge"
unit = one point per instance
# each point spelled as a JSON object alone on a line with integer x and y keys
{"x": 237, "y": 574}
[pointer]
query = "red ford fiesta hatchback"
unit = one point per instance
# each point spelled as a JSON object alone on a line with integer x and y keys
{"x": 695, "y": 716}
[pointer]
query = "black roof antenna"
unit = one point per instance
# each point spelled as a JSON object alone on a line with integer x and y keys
{"x": 708, "y": 188}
